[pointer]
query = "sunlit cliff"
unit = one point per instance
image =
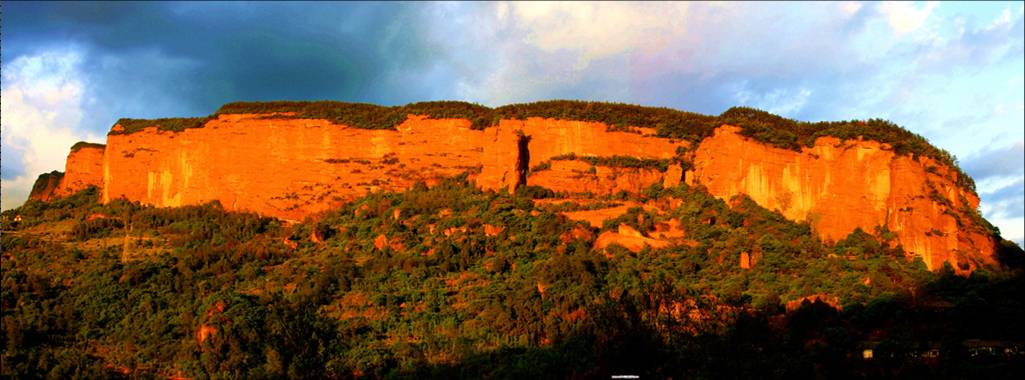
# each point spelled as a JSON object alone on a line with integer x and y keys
{"x": 291, "y": 165}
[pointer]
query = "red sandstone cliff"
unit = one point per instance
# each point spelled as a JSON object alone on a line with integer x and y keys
{"x": 45, "y": 186}
{"x": 84, "y": 168}
{"x": 544, "y": 139}
{"x": 291, "y": 167}
{"x": 280, "y": 166}
{"x": 839, "y": 186}
{"x": 304, "y": 166}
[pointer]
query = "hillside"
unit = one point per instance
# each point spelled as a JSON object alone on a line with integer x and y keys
{"x": 548, "y": 240}
{"x": 451, "y": 281}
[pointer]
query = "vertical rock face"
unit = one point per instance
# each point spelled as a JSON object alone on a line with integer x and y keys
{"x": 839, "y": 186}
{"x": 45, "y": 186}
{"x": 284, "y": 167}
{"x": 289, "y": 167}
{"x": 549, "y": 138}
{"x": 574, "y": 176}
{"x": 84, "y": 168}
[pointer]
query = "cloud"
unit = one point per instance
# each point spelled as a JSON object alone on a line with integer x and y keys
{"x": 204, "y": 55}
{"x": 1000, "y": 178}
{"x": 72, "y": 69}
{"x": 905, "y": 17}
{"x": 1007, "y": 18}
{"x": 605, "y": 29}
{"x": 785, "y": 102}
{"x": 1006, "y": 201}
{"x": 850, "y": 8}
{"x": 41, "y": 112}
{"x": 972, "y": 47}
{"x": 683, "y": 55}
{"x": 998, "y": 162}
{"x": 1005, "y": 207}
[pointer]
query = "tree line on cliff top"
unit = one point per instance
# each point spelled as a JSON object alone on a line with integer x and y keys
{"x": 424, "y": 284}
{"x": 670, "y": 123}
{"x": 83, "y": 145}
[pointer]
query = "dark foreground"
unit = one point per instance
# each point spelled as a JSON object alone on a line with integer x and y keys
{"x": 121, "y": 290}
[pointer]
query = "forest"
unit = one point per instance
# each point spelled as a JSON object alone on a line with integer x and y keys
{"x": 451, "y": 281}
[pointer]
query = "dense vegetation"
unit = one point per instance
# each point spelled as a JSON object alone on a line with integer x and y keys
{"x": 756, "y": 124}
{"x": 176, "y": 124}
{"x": 617, "y": 161}
{"x": 412, "y": 284}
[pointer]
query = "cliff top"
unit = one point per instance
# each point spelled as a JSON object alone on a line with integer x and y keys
{"x": 45, "y": 183}
{"x": 669, "y": 123}
{"x": 83, "y": 145}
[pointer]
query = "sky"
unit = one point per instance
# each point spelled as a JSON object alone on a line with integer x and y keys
{"x": 952, "y": 72}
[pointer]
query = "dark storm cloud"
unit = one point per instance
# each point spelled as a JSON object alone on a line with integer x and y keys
{"x": 104, "y": 61}
{"x": 172, "y": 59}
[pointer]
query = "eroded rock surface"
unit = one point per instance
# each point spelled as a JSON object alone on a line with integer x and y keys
{"x": 290, "y": 168}
{"x": 839, "y": 186}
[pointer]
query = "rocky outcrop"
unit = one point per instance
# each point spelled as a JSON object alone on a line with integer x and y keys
{"x": 831, "y": 301}
{"x": 84, "y": 168}
{"x": 545, "y": 139}
{"x": 289, "y": 167}
{"x": 838, "y": 186}
{"x": 596, "y": 218}
{"x": 575, "y": 176}
{"x": 283, "y": 167}
{"x": 45, "y": 186}
{"x": 628, "y": 238}
{"x": 745, "y": 260}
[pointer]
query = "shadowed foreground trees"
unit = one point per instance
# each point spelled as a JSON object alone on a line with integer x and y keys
{"x": 411, "y": 285}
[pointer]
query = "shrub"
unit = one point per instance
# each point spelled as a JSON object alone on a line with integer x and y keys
{"x": 83, "y": 144}
{"x": 618, "y": 161}
{"x": 176, "y": 124}
{"x": 96, "y": 228}
{"x": 535, "y": 192}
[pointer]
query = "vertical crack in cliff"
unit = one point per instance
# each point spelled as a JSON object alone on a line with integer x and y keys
{"x": 522, "y": 160}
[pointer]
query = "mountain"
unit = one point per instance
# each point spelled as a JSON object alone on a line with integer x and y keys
{"x": 553, "y": 240}
{"x": 293, "y": 159}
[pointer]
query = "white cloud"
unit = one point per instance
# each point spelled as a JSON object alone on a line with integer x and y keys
{"x": 1012, "y": 229}
{"x": 954, "y": 74}
{"x": 1006, "y": 19}
{"x": 906, "y": 17}
{"x": 597, "y": 30}
{"x": 535, "y": 51}
{"x": 781, "y": 101}
{"x": 850, "y": 8}
{"x": 41, "y": 112}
